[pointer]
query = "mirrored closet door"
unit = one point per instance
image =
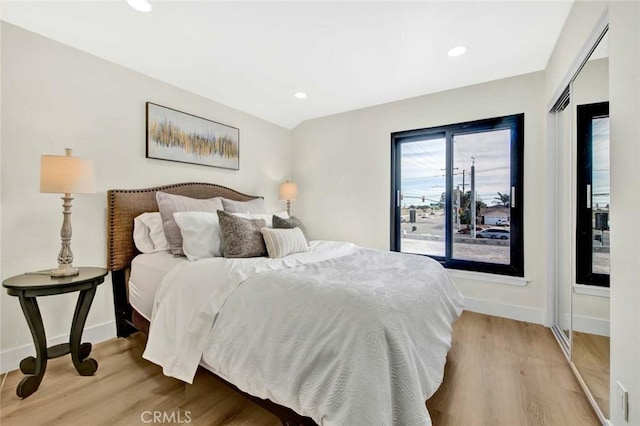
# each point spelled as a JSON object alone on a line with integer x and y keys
{"x": 581, "y": 219}
{"x": 563, "y": 193}
{"x": 590, "y": 296}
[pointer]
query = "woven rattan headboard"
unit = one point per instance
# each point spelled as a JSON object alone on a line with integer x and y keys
{"x": 123, "y": 205}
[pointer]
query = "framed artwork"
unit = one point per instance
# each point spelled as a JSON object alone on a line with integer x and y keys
{"x": 177, "y": 136}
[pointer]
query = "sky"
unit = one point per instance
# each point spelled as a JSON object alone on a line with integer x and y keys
{"x": 600, "y": 162}
{"x": 423, "y": 166}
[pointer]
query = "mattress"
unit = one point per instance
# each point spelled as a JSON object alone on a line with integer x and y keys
{"x": 147, "y": 272}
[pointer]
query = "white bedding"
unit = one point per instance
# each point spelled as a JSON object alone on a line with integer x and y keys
{"x": 147, "y": 272}
{"x": 344, "y": 335}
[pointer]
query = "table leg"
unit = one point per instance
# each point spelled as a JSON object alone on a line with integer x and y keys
{"x": 88, "y": 366}
{"x": 34, "y": 367}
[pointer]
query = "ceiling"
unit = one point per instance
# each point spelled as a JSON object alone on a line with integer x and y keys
{"x": 253, "y": 56}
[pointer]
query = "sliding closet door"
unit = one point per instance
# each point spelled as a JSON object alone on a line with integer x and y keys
{"x": 578, "y": 216}
{"x": 590, "y": 296}
{"x": 564, "y": 216}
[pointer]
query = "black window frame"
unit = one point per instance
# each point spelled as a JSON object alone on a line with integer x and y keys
{"x": 584, "y": 208}
{"x": 513, "y": 122}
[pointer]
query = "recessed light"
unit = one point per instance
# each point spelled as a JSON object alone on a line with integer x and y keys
{"x": 457, "y": 51}
{"x": 140, "y": 5}
{"x": 300, "y": 95}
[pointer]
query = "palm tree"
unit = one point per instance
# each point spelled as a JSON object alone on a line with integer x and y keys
{"x": 503, "y": 200}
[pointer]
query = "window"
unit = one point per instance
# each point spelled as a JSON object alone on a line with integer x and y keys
{"x": 593, "y": 201}
{"x": 438, "y": 174}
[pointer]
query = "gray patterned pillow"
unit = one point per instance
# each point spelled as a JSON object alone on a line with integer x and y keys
{"x": 241, "y": 237}
{"x": 292, "y": 222}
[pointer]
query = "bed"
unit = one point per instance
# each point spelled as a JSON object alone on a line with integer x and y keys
{"x": 288, "y": 333}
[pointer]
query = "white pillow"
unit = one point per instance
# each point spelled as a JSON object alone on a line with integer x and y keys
{"x": 200, "y": 234}
{"x": 148, "y": 233}
{"x": 266, "y": 217}
{"x": 168, "y": 204}
{"x": 282, "y": 242}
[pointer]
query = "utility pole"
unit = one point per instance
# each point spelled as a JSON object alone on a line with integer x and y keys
{"x": 473, "y": 197}
{"x": 457, "y": 208}
{"x": 463, "y": 174}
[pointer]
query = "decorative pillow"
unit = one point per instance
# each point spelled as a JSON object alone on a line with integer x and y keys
{"x": 200, "y": 234}
{"x": 241, "y": 237}
{"x": 292, "y": 222}
{"x": 265, "y": 217}
{"x": 251, "y": 206}
{"x": 169, "y": 204}
{"x": 282, "y": 242}
{"x": 148, "y": 234}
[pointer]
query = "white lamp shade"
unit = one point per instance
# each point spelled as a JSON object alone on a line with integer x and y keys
{"x": 288, "y": 191}
{"x": 67, "y": 175}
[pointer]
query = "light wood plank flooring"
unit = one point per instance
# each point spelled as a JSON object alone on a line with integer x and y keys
{"x": 591, "y": 357}
{"x": 499, "y": 372}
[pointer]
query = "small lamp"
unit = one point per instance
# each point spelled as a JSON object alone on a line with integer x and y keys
{"x": 66, "y": 175}
{"x": 288, "y": 191}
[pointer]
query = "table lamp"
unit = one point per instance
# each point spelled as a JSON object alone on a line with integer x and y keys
{"x": 66, "y": 175}
{"x": 288, "y": 191}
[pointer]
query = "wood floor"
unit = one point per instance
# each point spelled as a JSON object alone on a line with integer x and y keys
{"x": 591, "y": 356}
{"x": 499, "y": 372}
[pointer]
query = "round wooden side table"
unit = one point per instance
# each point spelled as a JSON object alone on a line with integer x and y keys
{"x": 28, "y": 287}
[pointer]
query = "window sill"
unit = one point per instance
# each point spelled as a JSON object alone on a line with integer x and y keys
{"x": 591, "y": 290}
{"x": 489, "y": 278}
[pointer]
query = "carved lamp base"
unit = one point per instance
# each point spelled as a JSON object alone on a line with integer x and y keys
{"x": 64, "y": 271}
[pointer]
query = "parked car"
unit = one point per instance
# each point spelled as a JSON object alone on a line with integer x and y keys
{"x": 493, "y": 233}
{"x": 467, "y": 230}
{"x": 502, "y": 222}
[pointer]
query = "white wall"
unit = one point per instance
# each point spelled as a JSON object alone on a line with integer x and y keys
{"x": 1, "y": 73}
{"x": 579, "y": 24}
{"x": 54, "y": 97}
{"x": 624, "y": 86}
{"x": 343, "y": 169}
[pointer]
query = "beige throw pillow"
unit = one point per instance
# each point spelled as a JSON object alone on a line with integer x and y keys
{"x": 283, "y": 242}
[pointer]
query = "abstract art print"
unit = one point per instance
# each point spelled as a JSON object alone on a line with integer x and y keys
{"x": 177, "y": 136}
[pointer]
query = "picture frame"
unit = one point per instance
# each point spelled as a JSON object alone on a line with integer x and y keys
{"x": 174, "y": 135}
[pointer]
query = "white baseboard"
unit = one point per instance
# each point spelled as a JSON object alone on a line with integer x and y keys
{"x": 591, "y": 325}
{"x": 516, "y": 312}
{"x": 10, "y": 359}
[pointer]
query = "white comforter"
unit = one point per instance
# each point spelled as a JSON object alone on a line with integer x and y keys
{"x": 344, "y": 335}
